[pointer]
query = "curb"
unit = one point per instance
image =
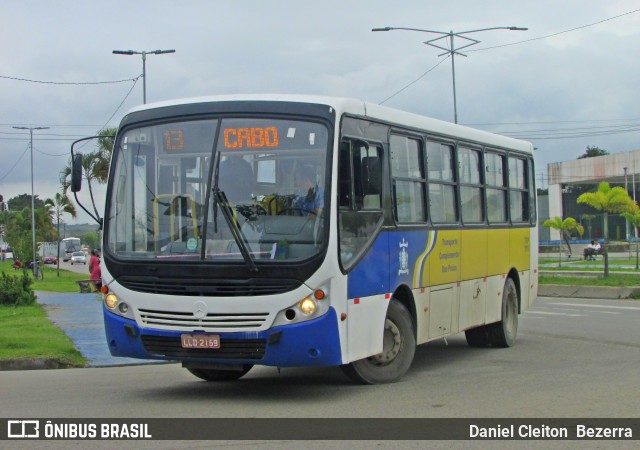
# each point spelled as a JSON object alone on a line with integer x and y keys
{"x": 34, "y": 363}
{"x": 602, "y": 292}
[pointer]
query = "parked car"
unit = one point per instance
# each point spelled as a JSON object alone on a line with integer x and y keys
{"x": 78, "y": 258}
{"x": 49, "y": 259}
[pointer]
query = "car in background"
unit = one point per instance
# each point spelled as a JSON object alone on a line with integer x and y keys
{"x": 49, "y": 259}
{"x": 78, "y": 258}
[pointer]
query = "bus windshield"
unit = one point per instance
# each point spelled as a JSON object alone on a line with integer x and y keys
{"x": 229, "y": 189}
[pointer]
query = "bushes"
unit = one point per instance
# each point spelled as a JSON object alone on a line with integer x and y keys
{"x": 15, "y": 290}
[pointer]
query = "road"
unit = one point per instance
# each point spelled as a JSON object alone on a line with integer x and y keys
{"x": 572, "y": 358}
{"x": 80, "y": 268}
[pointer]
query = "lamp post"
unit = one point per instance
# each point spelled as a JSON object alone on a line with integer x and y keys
{"x": 451, "y": 50}
{"x": 33, "y": 207}
{"x": 144, "y": 65}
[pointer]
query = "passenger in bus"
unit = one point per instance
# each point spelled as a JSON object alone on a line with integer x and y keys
{"x": 309, "y": 197}
{"x": 236, "y": 178}
{"x": 94, "y": 269}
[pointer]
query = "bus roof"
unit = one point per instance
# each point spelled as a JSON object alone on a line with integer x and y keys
{"x": 344, "y": 105}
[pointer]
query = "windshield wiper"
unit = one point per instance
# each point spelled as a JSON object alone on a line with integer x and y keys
{"x": 243, "y": 244}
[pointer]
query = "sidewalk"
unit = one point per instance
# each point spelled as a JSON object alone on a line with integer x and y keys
{"x": 80, "y": 317}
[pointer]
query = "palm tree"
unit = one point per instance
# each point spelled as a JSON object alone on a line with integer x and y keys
{"x": 564, "y": 227}
{"x": 57, "y": 206}
{"x": 614, "y": 200}
{"x": 634, "y": 217}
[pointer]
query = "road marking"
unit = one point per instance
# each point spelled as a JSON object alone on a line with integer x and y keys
{"x": 632, "y": 308}
{"x": 555, "y": 314}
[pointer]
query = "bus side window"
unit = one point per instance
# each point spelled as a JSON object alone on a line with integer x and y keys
{"x": 345, "y": 175}
{"x": 360, "y": 176}
{"x": 371, "y": 182}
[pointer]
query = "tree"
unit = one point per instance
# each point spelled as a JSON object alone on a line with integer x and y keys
{"x": 57, "y": 206}
{"x": 19, "y": 202}
{"x": 592, "y": 152}
{"x": 633, "y": 216}
{"x": 614, "y": 200}
{"x": 564, "y": 227}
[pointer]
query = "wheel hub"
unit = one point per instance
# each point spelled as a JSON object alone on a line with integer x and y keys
{"x": 391, "y": 344}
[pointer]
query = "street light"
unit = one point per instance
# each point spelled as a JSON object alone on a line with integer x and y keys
{"x": 33, "y": 207}
{"x": 144, "y": 65}
{"x": 451, "y": 50}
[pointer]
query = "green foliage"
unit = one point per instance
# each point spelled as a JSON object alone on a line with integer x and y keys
{"x": 91, "y": 239}
{"x": 26, "y": 332}
{"x": 593, "y": 151}
{"x": 609, "y": 200}
{"x": 564, "y": 227}
{"x": 16, "y": 290}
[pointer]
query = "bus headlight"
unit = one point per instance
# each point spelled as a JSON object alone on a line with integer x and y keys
{"x": 307, "y": 306}
{"x": 111, "y": 300}
{"x": 313, "y": 305}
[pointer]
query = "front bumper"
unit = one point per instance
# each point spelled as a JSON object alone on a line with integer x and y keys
{"x": 312, "y": 343}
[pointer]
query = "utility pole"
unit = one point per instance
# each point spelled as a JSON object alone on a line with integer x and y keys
{"x": 451, "y": 49}
{"x": 33, "y": 204}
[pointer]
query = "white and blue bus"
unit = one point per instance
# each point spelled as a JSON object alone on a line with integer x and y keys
{"x": 69, "y": 245}
{"x": 311, "y": 231}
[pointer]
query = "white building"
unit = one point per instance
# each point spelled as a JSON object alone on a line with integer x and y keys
{"x": 620, "y": 169}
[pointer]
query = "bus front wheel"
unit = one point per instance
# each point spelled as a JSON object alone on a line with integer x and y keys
{"x": 399, "y": 347}
{"x": 220, "y": 374}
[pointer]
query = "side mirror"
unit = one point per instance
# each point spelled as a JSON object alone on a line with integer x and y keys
{"x": 76, "y": 173}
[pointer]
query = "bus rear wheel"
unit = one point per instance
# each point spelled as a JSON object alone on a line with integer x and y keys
{"x": 477, "y": 337}
{"x": 220, "y": 374}
{"x": 503, "y": 333}
{"x": 399, "y": 347}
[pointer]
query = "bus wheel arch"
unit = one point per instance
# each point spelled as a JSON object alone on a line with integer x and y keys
{"x": 515, "y": 276}
{"x": 503, "y": 333}
{"x": 405, "y": 297}
{"x": 399, "y": 346}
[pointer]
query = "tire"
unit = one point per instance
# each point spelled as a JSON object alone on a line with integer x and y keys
{"x": 503, "y": 333}
{"x": 399, "y": 347}
{"x": 220, "y": 374}
{"x": 478, "y": 337}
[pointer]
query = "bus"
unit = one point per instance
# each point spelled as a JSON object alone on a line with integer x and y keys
{"x": 69, "y": 245}
{"x": 292, "y": 231}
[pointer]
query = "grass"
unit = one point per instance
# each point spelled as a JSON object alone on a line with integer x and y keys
{"x": 26, "y": 332}
{"x": 613, "y": 280}
{"x": 622, "y": 272}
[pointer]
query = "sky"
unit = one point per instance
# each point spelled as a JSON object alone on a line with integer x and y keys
{"x": 569, "y": 82}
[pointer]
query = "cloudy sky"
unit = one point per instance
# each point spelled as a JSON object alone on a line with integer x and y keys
{"x": 570, "y": 81}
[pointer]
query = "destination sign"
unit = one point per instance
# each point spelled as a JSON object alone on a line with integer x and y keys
{"x": 254, "y": 137}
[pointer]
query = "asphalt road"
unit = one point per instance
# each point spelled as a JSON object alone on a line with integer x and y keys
{"x": 573, "y": 358}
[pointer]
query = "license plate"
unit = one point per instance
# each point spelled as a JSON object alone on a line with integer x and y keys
{"x": 200, "y": 341}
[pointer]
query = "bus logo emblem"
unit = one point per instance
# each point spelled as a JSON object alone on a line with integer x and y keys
{"x": 199, "y": 310}
{"x": 403, "y": 258}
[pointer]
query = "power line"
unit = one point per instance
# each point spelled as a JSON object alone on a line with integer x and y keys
{"x": 16, "y": 163}
{"x": 71, "y": 83}
{"x": 556, "y": 34}
{"x": 414, "y": 81}
{"x": 513, "y": 43}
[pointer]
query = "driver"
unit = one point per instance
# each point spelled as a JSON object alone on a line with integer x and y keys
{"x": 309, "y": 197}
